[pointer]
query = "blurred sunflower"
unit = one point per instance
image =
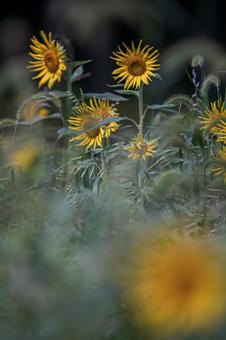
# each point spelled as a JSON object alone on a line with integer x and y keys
{"x": 33, "y": 109}
{"x": 212, "y": 117}
{"x": 25, "y": 157}
{"x": 49, "y": 60}
{"x": 140, "y": 148}
{"x": 103, "y": 108}
{"x": 221, "y": 168}
{"x": 176, "y": 286}
{"x": 86, "y": 123}
{"x": 135, "y": 65}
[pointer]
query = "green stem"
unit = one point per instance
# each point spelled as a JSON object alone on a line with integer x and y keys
{"x": 69, "y": 89}
{"x": 141, "y": 111}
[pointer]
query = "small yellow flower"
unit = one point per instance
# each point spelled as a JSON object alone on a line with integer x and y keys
{"x": 86, "y": 123}
{"x": 176, "y": 286}
{"x": 103, "y": 108}
{"x": 25, "y": 157}
{"x": 135, "y": 65}
{"x": 34, "y": 109}
{"x": 140, "y": 148}
{"x": 49, "y": 60}
{"x": 212, "y": 117}
{"x": 221, "y": 169}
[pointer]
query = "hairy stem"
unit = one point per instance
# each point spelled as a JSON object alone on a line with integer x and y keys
{"x": 141, "y": 111}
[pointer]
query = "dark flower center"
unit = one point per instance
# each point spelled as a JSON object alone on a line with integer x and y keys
{"x": 51, "y": 61}
{"x": 90, "y": 128}
{"x": 136, "y": 66}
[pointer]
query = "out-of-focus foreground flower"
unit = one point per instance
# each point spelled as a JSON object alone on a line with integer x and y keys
{"x": 176, "y": 286}
{"x": 25, "y": 157}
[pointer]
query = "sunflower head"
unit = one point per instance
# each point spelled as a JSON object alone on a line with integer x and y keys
{"x": 103, "y": 108}
{"x": 25, "y": 157}
{"x": 136, "y": 66}
{"x": 140, "y": 148}
{"x": 49, "y": 60}
{"x": 86, "y": 123}
{"x": 220, "y": 169}
{"x": 175, "y": 286}
{"x": 212, "y": 116}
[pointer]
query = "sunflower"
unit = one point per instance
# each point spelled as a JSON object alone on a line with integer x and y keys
{"x": 87, "y": 124}
{"x": 221, "y": 168}
{"x": 25, "y": 157}
{"x": 105, "y": 110}
{"x": 49, "y": 60}
{"x": 34, "y": 109}
{"x": 221, "y": 132}
{"x": 140, "y": 148}
{"x": 135, "y": 65}
{"x": 175, "y": 286}
{"x": 212, "y": 117}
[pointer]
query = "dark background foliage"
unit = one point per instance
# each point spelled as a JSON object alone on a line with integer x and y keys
{"x": 95, "y": 27}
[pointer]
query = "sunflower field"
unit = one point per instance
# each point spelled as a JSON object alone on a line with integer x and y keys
{"x": 112, "y": 206}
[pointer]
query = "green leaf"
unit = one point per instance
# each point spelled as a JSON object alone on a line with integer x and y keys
{"x": 115, "y": 85}
{"x": 128, "y": 92}
{"x": 157, "y": 76}
{"x": 60, "y": 94}
{"x": 77, "y": 73}
{"x": 160, "y": 107}
{"x": 77, "y": 63}
{"x": 106, "y": 95}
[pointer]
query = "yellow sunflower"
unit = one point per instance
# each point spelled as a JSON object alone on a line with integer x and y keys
{"x": 221, "y": 169}
{"x": 221, "y": 132}
{"x": 86, "y": 123}
{"x": 103, "y": 108}
{"x": 135, "y": 65}
{"x": 49, "y": 60}
{"x": 176, "y": 286}
{"x": 140, "y": 148}
{"x": 25, "y": 157}
{"x": 33, "y": 109}
{"x": 212, "y": 117}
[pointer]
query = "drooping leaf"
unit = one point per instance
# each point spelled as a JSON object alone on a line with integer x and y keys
{"x": 106, "y": 95}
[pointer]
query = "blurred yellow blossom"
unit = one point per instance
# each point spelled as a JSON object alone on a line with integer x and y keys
{"x": 176, "y": 286}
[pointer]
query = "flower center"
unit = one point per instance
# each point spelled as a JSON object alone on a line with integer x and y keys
{"x": 136, "y": 66}
{"x": 51, "y": 61}
{"x": 92, "y": 131}
{"x": 185, "y": 287}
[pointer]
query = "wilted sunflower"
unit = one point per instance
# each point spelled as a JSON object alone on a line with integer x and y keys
{"x": 135, "y": 65}
{"x": 105, "y": 110}
{"x": 212, "y": 117}
{"x": 25, "y": 157}
{"x": 176, "y": 286}
{"x": 87, "y": 124}
{"x": 33, "y": 109}
{"x": 140, "y": 148}
{"x": 221, "y": 169}
{"x": 49, "y": 60}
